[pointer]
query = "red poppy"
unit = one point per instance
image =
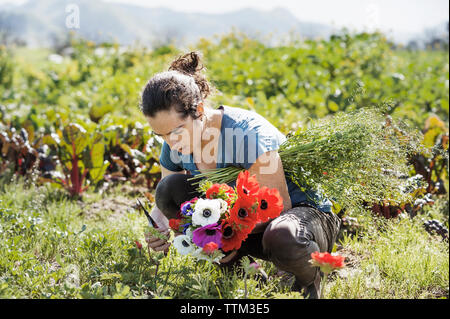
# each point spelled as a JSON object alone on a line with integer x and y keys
{"x": 138, "y": 244}
{"x": 210, "y": 248}
{"x": 175, "y": 224}
{"x": 270, "y": 203}
{"x": 247, "y": 187}
{"x": 225, "y": 190}
{"x": 232, "y": 238}
{"x": 326, "y": 261}
{"x": 244, "y": 215}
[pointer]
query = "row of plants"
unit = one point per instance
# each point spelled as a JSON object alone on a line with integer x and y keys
{"x": 81, "y": 154}
{"x": 75, "y": 116}
{"x": 287, "y": 84}
{"x": 70, "y": 122}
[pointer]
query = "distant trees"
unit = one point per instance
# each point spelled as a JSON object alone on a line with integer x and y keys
{"x": 433, "y": 39}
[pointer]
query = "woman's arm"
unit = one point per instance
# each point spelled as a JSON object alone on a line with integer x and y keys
{"x": 161, "y": 220}
{"x": 269, "y": 172}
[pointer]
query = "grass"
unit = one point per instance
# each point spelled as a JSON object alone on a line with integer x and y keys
{"x": 393, "y": 259}
{"x": 54, "y": 247}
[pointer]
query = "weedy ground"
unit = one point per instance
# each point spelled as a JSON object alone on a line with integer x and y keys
{"x": 55, "y": 247}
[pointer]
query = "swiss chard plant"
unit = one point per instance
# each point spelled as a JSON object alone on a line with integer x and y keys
{"x": 133, "y": 154}
{"x": 16, "y": 152}
{"x": 81, "y": 156}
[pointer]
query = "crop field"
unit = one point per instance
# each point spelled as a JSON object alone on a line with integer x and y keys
{"x": 76, "y": 153}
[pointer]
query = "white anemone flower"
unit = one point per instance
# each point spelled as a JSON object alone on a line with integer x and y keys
{"x": 183, "y": 244}
{"x": 206, "y": 212}
{"x": 223, "y": 206}
{"x": 189, "y": 233}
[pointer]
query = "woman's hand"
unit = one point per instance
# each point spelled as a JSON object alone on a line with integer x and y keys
{"x": 228, "y": 257}
{"x": 156, "y": 243}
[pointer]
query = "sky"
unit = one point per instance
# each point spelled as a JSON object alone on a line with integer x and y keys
{"x": 398, "y": 15}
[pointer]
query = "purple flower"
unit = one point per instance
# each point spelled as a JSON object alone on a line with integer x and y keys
{"x": 209, "y": 233}
{"x": 186, "y": 207}
{"x": 185, "y": 227}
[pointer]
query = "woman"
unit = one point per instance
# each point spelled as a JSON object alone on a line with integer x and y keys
{"x": 198, "y": 137}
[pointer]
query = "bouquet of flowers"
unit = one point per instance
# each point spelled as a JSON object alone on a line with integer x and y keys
{"x": 222, "y": 220}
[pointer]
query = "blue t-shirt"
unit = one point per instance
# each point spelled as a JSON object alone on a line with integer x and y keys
{"x": 245, "y": 135}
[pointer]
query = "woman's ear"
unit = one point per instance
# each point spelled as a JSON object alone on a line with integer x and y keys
{"x": 200, "y": 109}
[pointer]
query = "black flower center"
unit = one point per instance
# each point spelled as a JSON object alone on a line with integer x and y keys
{"x": 263, "y": 204}
{"x": 185, "y": 243}
{"x": 210, "y": 232}
{"x": 245, "y": 190}
{"x": 242, "y": 213}
{"x": 206, "y": 213}
{"x": 227, "y": 232}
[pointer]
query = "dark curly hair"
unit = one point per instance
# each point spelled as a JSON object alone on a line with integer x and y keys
{"x": 182, "y": 87}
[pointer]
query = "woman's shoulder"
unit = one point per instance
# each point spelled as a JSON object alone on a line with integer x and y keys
{"x": 236, "y": 117}
{"x": 246, "y": 136}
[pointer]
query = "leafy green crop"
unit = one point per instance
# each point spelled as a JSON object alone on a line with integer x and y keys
{"x": 98, "y": 87}
{"x": 75, "y": 119}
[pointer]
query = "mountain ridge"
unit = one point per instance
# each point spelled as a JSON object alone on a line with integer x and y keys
{"x": 126, "y": 23}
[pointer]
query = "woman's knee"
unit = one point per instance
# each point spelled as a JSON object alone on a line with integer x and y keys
{"x": 283, "y": 242}
{"x": 164, "y": 198}
{"x": 291, "y": 251}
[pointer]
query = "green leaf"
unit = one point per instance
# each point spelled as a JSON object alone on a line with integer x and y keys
{"x": 75, "y": 135}
{"x": 333, "y": 106}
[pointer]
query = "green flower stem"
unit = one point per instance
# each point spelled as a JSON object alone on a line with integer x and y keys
{"x": 356, "y": 149}
{"x": 245, "y": 286}
{"x": 322, "y": 289}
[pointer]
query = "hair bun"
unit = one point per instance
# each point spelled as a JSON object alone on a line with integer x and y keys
{"x": 188, "y": 64}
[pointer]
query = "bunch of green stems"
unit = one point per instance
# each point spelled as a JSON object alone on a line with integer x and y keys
{"x": 353, "y": 158}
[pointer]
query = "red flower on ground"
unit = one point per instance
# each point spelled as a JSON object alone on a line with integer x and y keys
{"x": 244, "y": 215}
{"x": 175, "y": 224}
{"x": 138, "y": 244}
{"x": 232, "y": 238}
{"x": 247, "y": 187}
{"x": 326, "y": 261}
{"x": 270, "y": 203}
{"x": 210, "y": 248}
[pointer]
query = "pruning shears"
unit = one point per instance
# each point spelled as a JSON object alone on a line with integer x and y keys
{"x": 151, "y": 221}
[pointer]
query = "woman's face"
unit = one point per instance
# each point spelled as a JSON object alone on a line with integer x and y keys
{"x": 180, "y": 133}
